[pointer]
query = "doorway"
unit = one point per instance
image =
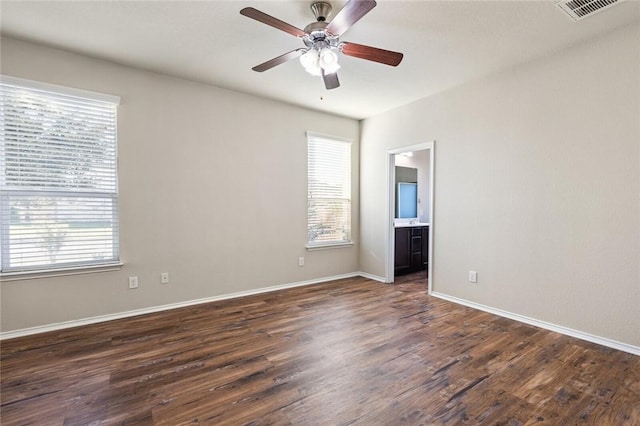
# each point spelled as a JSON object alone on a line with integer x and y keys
{"x": 424, "y": 213}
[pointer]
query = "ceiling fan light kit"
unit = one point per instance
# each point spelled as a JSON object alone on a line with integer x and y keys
{"x": 322, "y": 40}
{"x": 316, "y": 62}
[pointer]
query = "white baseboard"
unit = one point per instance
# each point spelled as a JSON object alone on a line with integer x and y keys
{"x": 635, "y": 350}
{"x": 372, "y": 277}
{"x": 109, "y": 317}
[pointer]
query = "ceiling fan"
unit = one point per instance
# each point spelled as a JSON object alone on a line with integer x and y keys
{"x": 322, "y": 40}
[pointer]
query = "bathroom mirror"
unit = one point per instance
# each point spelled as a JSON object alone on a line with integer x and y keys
{"x": 406, "y": 192}
{"x": 407, "y": 200}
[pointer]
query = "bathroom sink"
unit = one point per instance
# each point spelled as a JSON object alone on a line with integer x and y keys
{"x": 408, "y": 224}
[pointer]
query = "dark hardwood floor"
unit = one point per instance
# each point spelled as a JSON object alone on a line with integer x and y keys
{"x": 349, "y": 352}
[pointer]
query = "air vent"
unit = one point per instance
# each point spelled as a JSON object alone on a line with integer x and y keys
{"x": 580, "y": 9}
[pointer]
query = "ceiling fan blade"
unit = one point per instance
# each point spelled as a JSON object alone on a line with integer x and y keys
{"x": 330, "y": 80}
{"x": 270, "y": 20}
{"x": 349, "y": 15}
{"x": 278, "y": 60}
{"x": 369, "y": 53}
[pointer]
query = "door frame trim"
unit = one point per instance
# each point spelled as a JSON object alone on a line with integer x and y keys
{"x": 390, "y": 211}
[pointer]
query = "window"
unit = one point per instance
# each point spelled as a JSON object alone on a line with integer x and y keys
{"x": 58, "y": 177}
{"x": 329, "y": 191}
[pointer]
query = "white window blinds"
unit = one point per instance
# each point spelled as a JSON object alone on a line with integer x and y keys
{"x": 58, "y": 177}
{"x": 329, "y": 190}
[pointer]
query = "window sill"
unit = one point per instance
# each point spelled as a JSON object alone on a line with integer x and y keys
{"x": 60, "y": 272}
{"x": 326, "y": 246}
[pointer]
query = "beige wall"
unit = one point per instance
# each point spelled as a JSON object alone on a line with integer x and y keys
{"x": 212, "y": 190}
{"x": 537, "y": 182}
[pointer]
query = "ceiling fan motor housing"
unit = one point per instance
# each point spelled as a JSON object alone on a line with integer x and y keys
{"x": 317, "y": 37}
{"x": 321, "y": 10}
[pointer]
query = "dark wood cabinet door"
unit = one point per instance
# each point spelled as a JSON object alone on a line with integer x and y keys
{"x": 411, "y": 249}
{"x": 416, "y": 250}
{"x": 425, "y": 247}
{"x": 416, "y": 261}
{"x": 402, "y": 261}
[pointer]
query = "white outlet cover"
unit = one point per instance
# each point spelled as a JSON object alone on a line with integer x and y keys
{"x": 473, "y": 276}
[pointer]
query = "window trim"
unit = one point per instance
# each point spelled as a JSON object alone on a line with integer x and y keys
{"x": 80, "y": 268}
{"x": 60, "y": 272}
{"x": 327, "y": 245}
{"x": 65, "y": 90}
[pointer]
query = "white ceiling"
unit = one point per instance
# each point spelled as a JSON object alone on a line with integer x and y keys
{"x": 445, "y": 43}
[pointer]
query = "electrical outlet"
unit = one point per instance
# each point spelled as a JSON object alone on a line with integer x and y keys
{"x": 133, "y": 282}
{"x": 301, "y": 261}
{"x": 473, "y": 277}
{"x": 164, "y": 278}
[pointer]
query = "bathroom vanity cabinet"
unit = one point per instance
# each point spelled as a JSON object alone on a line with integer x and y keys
{"x": 411, "y": 249}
